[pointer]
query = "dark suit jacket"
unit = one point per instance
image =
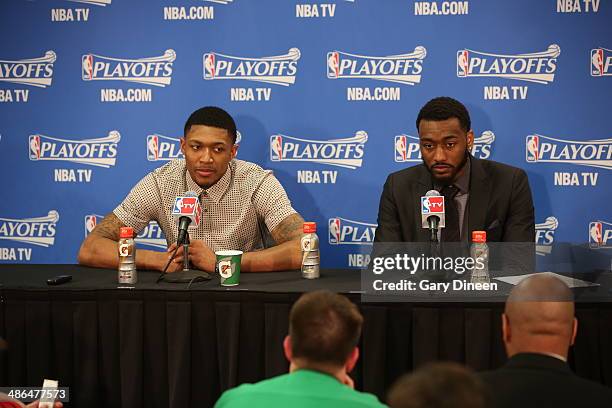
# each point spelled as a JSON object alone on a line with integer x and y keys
{"x": 539, "y": 381}
{"x": 499, "y": 203}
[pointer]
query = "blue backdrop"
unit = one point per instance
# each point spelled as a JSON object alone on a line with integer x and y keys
{"x": 94, "y": 94}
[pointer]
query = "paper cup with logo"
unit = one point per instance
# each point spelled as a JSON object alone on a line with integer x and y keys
{"x": 228, "y": 265}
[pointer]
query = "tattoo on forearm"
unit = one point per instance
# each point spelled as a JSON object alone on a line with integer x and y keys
{"x": 290, "y": 228}
{"x": 109, "y": 227}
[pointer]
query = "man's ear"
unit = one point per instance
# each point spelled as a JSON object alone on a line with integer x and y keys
{"x": 183, "y": 142}
{"x": 351, "y": 361}
{"x": 470, "y": 139}
{"x": 287, "y": 348}
{"x": 574, "y": 331}
{"x": 234, "y": 150}
{"x": 506, "y": 330}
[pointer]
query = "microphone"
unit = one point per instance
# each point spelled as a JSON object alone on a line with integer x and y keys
{"x": 186, "y": 212}
{"x": 432, "y": 212}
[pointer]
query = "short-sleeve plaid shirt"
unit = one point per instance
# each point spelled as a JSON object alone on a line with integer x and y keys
{"x": 231, "y": 207}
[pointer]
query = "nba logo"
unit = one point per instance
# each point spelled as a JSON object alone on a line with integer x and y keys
{"x": 209, "y": 66}
{"x": 532, "y": 148}
{"x": 400, "y": 148}
{"x": 595, "y": 234}
{"x": 276, "y": 148}
{"x": 333, "y": 64}
{"x": 184, "y": 205}
{"x": 334, "y": 231}
{"x": 463, "y": 58}
{"x": 432, "y": 205}
{"x": 87, "y": 63}
{"x": 152, "y": 148}
{"x": 34, "y": 147}
{"x": 597, "y": 62}
{"x": 90, "y": 223}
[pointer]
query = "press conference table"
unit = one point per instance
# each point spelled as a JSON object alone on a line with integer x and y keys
{"x": 160, "y": 345}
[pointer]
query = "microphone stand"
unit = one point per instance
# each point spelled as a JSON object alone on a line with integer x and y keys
{"x": 186, "y": 253}
{"x": 436, "y": 251}
{"x": 186, "y": 274}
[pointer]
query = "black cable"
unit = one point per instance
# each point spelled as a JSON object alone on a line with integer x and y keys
{"x": 161, "y": 276}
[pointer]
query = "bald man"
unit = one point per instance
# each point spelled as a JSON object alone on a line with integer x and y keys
{"x": 538, "y": 327}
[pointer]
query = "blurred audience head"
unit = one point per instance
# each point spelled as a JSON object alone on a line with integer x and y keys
{"x": 539, "y": 317}
{"x": 324, "y": 330}
{"x": 438, "y": 385}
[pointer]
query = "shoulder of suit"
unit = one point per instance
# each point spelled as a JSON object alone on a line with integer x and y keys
{"x": 493, "y": 166}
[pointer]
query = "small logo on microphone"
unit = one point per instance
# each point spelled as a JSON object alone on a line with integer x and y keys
{"x": 184, "y": 205}
{"x": 188, "y": 206}
{"x": 432, "y": 205}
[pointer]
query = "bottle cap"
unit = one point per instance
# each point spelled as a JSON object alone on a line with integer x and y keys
{"x": 479, "y": 236}
{"x": 310, "y": 227}
{"x": 126, "y": 232}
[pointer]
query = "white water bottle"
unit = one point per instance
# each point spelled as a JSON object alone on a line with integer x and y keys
{"x": 479, "y": 251}
{"x": 311, "y": 259}
{"x": 127, "y": 257}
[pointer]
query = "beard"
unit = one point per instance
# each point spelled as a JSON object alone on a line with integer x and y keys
{"x": 455, "y": 170}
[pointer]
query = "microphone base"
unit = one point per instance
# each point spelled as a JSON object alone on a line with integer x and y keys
{"x": 187, "y": 276}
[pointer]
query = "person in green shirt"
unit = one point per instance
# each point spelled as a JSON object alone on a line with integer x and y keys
{"x": 324, "y": 330}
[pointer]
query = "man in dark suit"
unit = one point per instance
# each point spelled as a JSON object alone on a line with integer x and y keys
{"x": 480, "y": 195}
{"x": 538, "y": 327}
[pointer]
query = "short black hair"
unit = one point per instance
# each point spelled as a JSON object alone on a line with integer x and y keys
{"x": 212, "y": 116}
{"x": 442, "y": 108}
{"x": 324, "y": 327}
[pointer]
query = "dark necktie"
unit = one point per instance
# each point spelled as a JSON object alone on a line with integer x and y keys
{"x": 450, "y": 233}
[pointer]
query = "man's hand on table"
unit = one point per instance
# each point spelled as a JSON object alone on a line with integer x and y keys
{"x": 200, "y": 257}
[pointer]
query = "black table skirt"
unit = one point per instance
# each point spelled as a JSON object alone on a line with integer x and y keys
{"x": 162, "y": 345}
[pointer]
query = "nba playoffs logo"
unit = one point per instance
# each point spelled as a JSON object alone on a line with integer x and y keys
{"x": 601, "y": 62}
{"x": 600, "y": 234}
{"x": 163, "y": 148}
{"x": 278, "y": 69}
{"x": 32, "y": 71}
{"x": 407, "y": 148}
{"x": 347, "y": 152}
{"x": 432, "y": 205}
{"x": 155, "y": 71}
{"x": 36, "y": 231}
{"x": 402, "y": 69}
{"x": 536, "y": 67}
{"x": 592, "y": 153}
{"x": 91, "y": 220}
{"x": 343, "y": 231}
{"x": 101, "y": 152}
{"x": 545, "y": 235}
{"x": 151, "y": 235}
